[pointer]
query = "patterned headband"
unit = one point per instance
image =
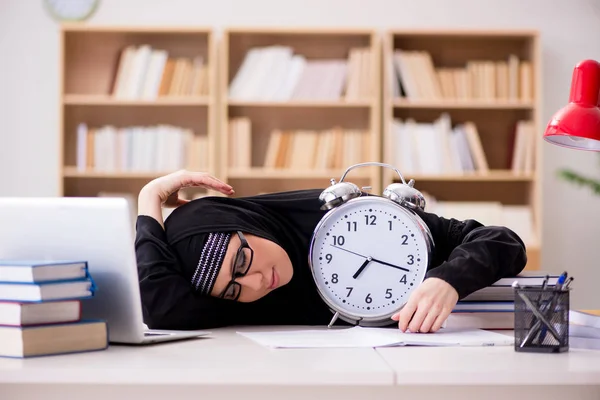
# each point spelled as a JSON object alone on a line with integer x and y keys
{"x": 210, "y": 262}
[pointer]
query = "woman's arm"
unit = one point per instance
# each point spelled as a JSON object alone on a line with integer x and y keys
{"x": 165, "y": 190}
{"x": 168, "y": 301}
{"x": 467, "y": 257}
{"x": 471, "y": 256}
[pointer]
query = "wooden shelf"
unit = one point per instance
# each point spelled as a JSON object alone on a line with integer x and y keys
{"x": 167, "y": 133}
{"x": 434, "y": 79}
{"x": 492, "y": 176}
{"x": 108, "y": 100}
{"x": 265, "y": 173}
{"x": 302, "y": 103}
{"x": 458, "y": 104}
{"x": 132, "y": 29}
{"x": 311, "y": 125}
{"x": 92, "y": 53}
{"x": 73, "y": 172}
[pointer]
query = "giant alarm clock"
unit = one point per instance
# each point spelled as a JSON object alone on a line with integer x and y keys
{"x": 369, "y": 252}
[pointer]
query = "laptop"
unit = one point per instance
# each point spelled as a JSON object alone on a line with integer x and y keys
{"x": 98, "y": 230}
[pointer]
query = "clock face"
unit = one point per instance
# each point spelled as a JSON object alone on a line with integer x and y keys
{"x": 367, "y": 256}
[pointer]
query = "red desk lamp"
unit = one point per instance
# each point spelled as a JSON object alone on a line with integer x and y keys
{"x": 577, "y": 125}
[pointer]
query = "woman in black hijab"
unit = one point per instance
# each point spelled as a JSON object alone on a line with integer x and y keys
{"x": 220, "y": 261}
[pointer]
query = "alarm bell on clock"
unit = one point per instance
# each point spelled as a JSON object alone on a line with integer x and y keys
{"x": 402, "y": 193}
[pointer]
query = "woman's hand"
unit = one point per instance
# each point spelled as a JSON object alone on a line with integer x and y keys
{"x": 428, "y": 306}
{"x": 166, "y": 188}
{"x": 165, "y": 191}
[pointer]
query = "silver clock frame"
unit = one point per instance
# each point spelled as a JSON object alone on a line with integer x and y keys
{"x": 336, "y": 198}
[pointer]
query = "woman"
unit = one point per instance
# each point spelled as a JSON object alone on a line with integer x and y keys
{"x": 220, "y": 261}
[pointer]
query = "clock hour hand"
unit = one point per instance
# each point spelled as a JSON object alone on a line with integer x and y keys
{"x": 390, "y": 265}
{"x": 362, "y": 267}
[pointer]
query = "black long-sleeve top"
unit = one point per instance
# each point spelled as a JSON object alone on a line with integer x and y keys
{"x": 467, "y": 255}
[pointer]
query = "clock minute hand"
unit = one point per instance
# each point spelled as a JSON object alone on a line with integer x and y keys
{"x": 390, "y": 265}
{"x": 349, "y": 251}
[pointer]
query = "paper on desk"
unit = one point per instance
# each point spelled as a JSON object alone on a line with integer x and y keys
{"x": 376, "y": 337}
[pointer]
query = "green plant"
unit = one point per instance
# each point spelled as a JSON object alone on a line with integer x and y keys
{"x": 578, "y": 179}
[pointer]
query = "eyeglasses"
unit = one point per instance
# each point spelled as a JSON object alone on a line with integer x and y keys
{"x": 241, "y": 265}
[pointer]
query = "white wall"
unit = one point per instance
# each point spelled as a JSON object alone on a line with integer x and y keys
{"x": 570, "y": 32}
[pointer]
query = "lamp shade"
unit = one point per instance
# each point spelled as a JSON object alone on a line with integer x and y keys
{"x": 577, "y": 125}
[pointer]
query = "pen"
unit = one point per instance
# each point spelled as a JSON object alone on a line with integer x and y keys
{"x": 559, "y": 285}
{"x": 568, "y": 283}
{"x": 561, "y": 281}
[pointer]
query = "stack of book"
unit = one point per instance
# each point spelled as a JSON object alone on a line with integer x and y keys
{"x": 493, "y": 307}
{"x": 40, "y": 309}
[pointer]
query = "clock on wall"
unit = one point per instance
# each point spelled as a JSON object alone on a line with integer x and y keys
{"x": 71, "y": 10}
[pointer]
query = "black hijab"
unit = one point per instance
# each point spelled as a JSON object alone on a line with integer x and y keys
{"x": 286, "y": 218}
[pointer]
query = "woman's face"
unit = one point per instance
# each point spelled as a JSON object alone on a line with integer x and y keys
{"x": 257, "y": 269}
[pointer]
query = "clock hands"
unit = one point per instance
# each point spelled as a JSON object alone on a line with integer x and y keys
{"x": 369, "y": 259}
{"x": 349, "y": 251}
{"x": 362, "y": 267}
{"x": 391, "y": 265}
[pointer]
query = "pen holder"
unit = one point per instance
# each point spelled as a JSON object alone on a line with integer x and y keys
{"x": 541, "y": 319}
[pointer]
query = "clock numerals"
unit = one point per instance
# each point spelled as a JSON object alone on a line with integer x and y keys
{"x": 411, "y": 259}
{"x": 368, "y": 299}
{"x": 334, "y": 278}
{"x": 370, "y": 219}
{"x": 352, "y": 226}
{"x": 390, "y": 224}
{"x": 349, "y": 289}
{"x": 328, "y": 257}
{"x": 388, "y": 294}
{"x": 338, "y": 240}
{"x": 404, "y": 239}
{"x": 403, "y": 279}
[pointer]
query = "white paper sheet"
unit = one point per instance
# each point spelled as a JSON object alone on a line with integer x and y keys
{"x": 375, "y": 337}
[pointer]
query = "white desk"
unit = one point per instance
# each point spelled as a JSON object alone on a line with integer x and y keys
{"x": 229, "y": 366}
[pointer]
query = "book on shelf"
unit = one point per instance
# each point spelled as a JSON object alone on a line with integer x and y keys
{"x": 147, "y": 73}
{"x": 140, "y": 148}
{"x": 438, "y": 148}
{"x": 518, "y": 218}
{"x": 316, "y": 149}
{"x": 416, "y": 77}
{"x": 35, "y": 271}
{"x": 276, "y": 73}
{"x": 523, "y": 155}
{"x": 240, "y": 142}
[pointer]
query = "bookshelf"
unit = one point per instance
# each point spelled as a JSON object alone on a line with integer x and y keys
{"x": 136, "y": 103}
{"x": 461, "y": 111}
{"x": 297, "y": 107}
